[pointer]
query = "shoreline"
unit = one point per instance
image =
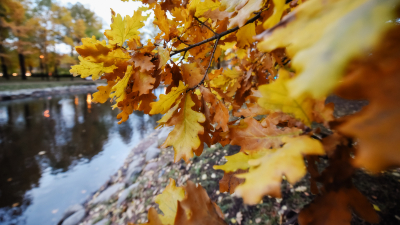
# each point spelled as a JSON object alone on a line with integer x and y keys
{"x": 41, "y": 92}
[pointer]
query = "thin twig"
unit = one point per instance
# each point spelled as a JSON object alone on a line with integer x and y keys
{"x": 208, "y": 67}
{"x": 203, "y": 23}
{"x": 217, "y": 36}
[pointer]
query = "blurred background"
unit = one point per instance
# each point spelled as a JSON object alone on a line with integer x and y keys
{"x": 56, "y": 146}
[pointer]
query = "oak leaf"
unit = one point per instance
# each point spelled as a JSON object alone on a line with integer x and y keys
{"x": 103, "y": 92}
{"x": 185, "y": 135}
{"x": 250, "y": 135}
{"x": 87, "y": 68}
{"x": 168, "y": 201}
{"x": 166, "y": 101}
{"x": 245, "y": 35}
{"x": 118, "y": 90}
{"x": 197, "y": 208}
{"x": 375, "y": 78}
{"x": 191, "y": 74}
{"x": 314, "y": 46}
{"x": 143, "y": 61}
{"x": 125, "y": 29}
{"x": 162, "y": 21}
{"x": 229, "y": 181}
{"x": 246, "y": 12}
{"x": 286, "y": 161}
{"x": 144, "y": 83}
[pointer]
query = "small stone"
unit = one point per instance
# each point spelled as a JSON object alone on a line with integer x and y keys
{"x": 75, "y": 218}
{"x": 108, "y": 193}
{"x": 301, "y": 188}
{"x": 233, "y": 220}
{"x": 219, "y": 199}
{"x": 204, "y": 176}
{"x": 217, "y": 192}
{"x": 41, "y": 153}
{"x": 258, "y": 220}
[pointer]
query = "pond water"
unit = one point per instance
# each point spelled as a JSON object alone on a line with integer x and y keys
{"x": 57, "y": 151}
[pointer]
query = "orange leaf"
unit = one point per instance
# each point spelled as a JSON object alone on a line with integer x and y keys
{"x": 197, "y": 208}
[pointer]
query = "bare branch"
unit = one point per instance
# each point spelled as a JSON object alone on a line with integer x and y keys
{"x": 217, "y": 36}
{"x": 208, "y": 67}
{"x": 203, "y": 23}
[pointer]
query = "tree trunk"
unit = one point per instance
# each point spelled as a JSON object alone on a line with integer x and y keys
{"x": 3, "y": 64}
{"x": 22, "y": 65}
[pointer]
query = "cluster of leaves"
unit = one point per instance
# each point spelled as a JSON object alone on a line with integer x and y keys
{"x": 282, "y": 59}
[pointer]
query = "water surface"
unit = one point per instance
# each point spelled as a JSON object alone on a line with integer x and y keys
{"x": 56, "y": 151}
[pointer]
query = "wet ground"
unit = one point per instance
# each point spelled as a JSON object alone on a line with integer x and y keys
{"x": 57, "y": 151}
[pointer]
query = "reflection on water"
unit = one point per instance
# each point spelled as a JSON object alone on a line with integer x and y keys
{"x": 54, "y": 152}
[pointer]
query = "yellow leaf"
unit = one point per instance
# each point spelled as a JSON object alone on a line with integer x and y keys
{"x": 168, "y": 115}
{"x": 245, "y": 35}
{"x": 324, "y": 34}
{"x": 104, "y": 92}
{"x": 246, "y": 12}
{"x": 279, "y": 7}
{"x": 166, "y": 101}
{"x": 125, "y": 29}
{"x": 231, "y": 5}
{"x": 162, "y": 21}
{"x": 227, "y": 45}
{"x": 203, "y": 6}
{"x": 185, "y": 136}
{"x": 168, "y": 201}
{"x": 164, "y": 56}
{"x": 240, "y": 160}
{"x": 144, "y": 83}
{"x": 119, "y": 89}
{"x": 287, "y": 161}
{"x": 87, "y": 68}
{"x": 275, "y": 97}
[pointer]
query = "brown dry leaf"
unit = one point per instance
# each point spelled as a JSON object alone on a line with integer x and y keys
{"x": 221, "y": 116}
{"x": 144, "y": 83}
{"x": 191, "y": 74}
{"x": 376, "y": 78}
{"x": 143, "y": 61}
{"x": 229, "y": 181}
{"x": 334, "y": 208}
{"x": 246, "y": 13}
{"x": 251, "y": 135}
{"x": 197, "y": 208}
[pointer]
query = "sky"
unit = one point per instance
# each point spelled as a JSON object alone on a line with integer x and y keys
{"x": 102, "y": 10}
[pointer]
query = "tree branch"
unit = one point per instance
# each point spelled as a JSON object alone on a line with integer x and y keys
{"x": 202, "y": 23}
{"x": 208, "y": 67}
{"x": 217, "y": 36}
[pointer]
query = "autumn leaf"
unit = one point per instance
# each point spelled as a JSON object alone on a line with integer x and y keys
{"x": 166, "y": 101}
{"x": 93, "y": 47}
{"x": 103, "y": 92}
{"x": 245, "y": 35}
{"x": 191, "y": 74}
{"x": 353, "y": 29}
{"x": 286, "y": 161}
{"x": 144, "y": 83}
{"x": 375, "y": 78}
{"x": 184, "y": 137}
{"x": 229, "y": 181}
{"x": 168, "y": 201}
{"x": 125, "y": 29}
{"x": 162, "y": 21}
{"x": 87, "y": 68}
{"x": 276, "y": 98}
{"x": 240, "y": 160}
{"x": 143, "y": 61}
{"x": 118, "y": 91}
{"x": 164, "y": 56}
{"x": 250, "y": 135}
{"x": 245, "y": 13}
{"x": 335, "y": 207}
{"x": 197, "y": 208}
{"x": 279, "y": 7}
